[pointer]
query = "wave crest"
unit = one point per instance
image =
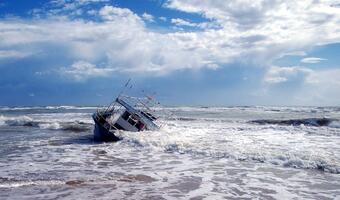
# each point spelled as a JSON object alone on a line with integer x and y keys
{"x": 26, "y": 121}
{"x": 171, "y": 142}
{"x": 298, "y": 122}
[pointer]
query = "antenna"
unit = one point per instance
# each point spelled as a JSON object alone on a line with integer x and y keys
{"x": 125, "y": 86}
{"x": 121, "y": 92}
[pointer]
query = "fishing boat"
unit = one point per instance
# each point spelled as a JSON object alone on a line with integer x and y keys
{"x": 125, "y": 113}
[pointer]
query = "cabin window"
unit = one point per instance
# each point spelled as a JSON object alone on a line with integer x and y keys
{"x": 133, "y": 121}
{"x": 118, "y": 126}
{"x": 126, "y": 115}
{"x": 149, "y": 116}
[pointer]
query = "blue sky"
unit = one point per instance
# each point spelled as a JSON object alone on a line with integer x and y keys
{"x": 189, "y": 52}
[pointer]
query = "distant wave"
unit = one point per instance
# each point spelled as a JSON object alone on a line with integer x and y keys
{"x": 334, "y": 123}
{"x": 182, "y": 118}
{"x": 298, "y": 122}
{"x": 191, "y": 119}
{"x": 49, "y": 108}
{"x": 75, "y": 126}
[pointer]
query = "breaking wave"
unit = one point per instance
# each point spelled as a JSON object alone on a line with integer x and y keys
{"x": 26, "y": 121}
{"x": 284, "y": 159}
{"x": 297, "y": 122}
{"x": 335, "y": 124}
{"x": 251, "y": 145}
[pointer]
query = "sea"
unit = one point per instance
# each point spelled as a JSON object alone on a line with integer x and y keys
{"x": 198, "y": 153}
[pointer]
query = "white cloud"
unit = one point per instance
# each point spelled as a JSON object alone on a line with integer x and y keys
{"x": 147, "y": 17}
{"x": 91, "y": 1}
{"x": 81, "y": 70}
{"x": 277, "y": 74}
{"x": 67, "y": 8}
{"x": 286, "y": 26}
{"x": 254, "y": 33}
{"x": 182, "y": 22}
{"x": 92, "y": 12}
{"x": 75, "y": 2}
{"x": 203, "y": 25}
{"x": 4, "y": 54}
{"x": 310, "y": 86}
{"x": 121, "y": 41}
{"x": 320, "y": 88}
{"x": 295, "y": 53}
{"x": 312, "y": 60}
{"x": 325, "y": 78}
{"x": 164, "y": 19}
{"x": 124, "y": 15}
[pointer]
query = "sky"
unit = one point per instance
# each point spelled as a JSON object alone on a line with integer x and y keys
{"x": 185, "y": 52}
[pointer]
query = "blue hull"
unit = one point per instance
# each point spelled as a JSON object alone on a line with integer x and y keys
{"x": 102, "y": 134}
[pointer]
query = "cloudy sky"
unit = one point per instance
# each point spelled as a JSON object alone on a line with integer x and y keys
{"x": 187, "y": 52}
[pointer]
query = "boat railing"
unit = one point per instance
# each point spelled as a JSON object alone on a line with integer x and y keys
{"x": 99, "y": 116}
{"x": 140, "y": 101}
{"x": 144, "y": 106}
{"x": 150, "y": 110}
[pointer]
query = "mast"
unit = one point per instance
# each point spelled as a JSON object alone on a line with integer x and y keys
{"x": 113, "y": 103}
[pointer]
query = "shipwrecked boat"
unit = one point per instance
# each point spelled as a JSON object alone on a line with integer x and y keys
{"x": 126, "y": 113}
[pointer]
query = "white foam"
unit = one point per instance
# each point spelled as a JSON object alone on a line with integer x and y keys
{"x": 285, "y": 146}
{"x": 335, "y": 124}
{"x": 2, "y": 120}
{"x": 15, "y": 121}
{"x": 54, "y": 121}
{"x": 13, "y": 184}
{"x": 52, "y": 125}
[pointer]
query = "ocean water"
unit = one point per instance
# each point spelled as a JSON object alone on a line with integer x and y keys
{"x": 199, "y": 153}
